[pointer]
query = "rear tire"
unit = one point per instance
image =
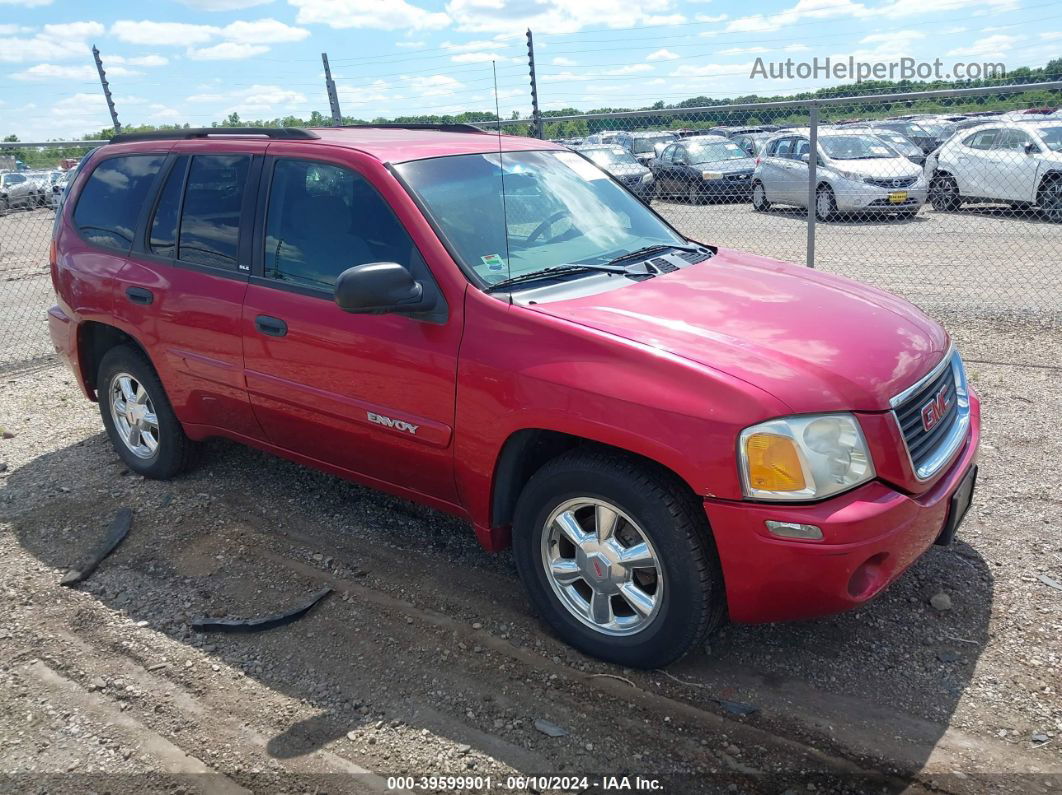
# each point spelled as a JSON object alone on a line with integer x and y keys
{"x": 666, "y": 605}
{"x": 138, "y": 417}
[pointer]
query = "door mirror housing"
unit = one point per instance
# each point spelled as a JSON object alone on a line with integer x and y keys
{"x": 806, "y": 157}
{"x": 379, "y": 288}
{"x": 1031, "y": 148}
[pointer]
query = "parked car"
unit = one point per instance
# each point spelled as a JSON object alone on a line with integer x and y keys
{"x": 855, "y": 173}
{"x": 58, "y": 183}
{"x": 668, "y": 433}
{"x": 607, "y": 137}
{"x": 901, "y": 143}
{"x": 703, "y": 168}
{"x": 911, "y": 130}
{"x": 752, "y": 143}
{"x": 733, "y": 132}
{"x": 17, "y": 190}
{"x": 622, "y": 165}
{"x": 644, "y": 145}
{"x": 1018, "y": 163}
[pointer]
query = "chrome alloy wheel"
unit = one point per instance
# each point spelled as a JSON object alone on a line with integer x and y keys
{"x": 602, "y": 566}
{"x": 134, "y": 415}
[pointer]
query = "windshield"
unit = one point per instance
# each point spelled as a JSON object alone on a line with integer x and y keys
{"x": 854, "y": 147}
{"x": 1052, "y": 137}
{"x": 610, "y": 158}
{"x": 713, "y": 152}
{"x": 896, "y": 141}
{"x": 559, "y": 209}
{"x": 643, "y": 145}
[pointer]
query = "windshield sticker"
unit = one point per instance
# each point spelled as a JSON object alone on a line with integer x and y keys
{"x": 584, "y": 168}
{"x": 493, "y": 262}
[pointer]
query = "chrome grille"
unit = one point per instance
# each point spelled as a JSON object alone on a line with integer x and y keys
{"x": 898, "y": 182}
{"x": 927, "y": 447}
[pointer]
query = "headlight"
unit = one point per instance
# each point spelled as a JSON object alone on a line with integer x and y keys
{"x": 806, "y": 457}
{"x": 712, "y": 174}
{"x": 648, "y": 175}
{"x": 849, "y": 175}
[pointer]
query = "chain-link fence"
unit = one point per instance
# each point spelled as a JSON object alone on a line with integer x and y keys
{"x": 32, "y": 180}
{"x": 952, "y": 199}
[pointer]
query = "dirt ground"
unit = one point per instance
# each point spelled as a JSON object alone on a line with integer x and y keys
{"x": 427, "y": 661}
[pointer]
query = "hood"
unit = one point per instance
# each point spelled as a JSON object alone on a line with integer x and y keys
{"x": 816, "y": 342}
{"x": 880, "y": 168}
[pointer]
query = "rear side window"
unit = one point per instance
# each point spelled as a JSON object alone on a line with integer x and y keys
{"x": 110, "y": 203}
{"x": 163, "y": 239}
{"x": 981, "y": 140}
{"x": 210, "y": 218}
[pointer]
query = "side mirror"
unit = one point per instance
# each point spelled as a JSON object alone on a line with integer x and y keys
{"x": 806, "y": 157}
{"x": 1031, "y": 148}
{"x": 380, "y": 287}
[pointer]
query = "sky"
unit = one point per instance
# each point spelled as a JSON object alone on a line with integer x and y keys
{"x": 197, "y": 61}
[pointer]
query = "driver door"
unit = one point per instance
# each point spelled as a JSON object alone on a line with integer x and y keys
{"x": 372, "y": 394}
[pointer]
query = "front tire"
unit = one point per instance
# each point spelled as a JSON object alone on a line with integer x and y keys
{"x": 617, "y": 558}
{"x": 825, "y": 203}
{"x": 1050, "y": 200}
{"x": 944, "y": 194}
{"x": 138, "y": 417}
{"x": 759, "y": 198}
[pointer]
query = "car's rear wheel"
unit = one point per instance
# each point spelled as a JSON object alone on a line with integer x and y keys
{"x": 944, "y": 193}
{"x": 138, "y": 417}
{"x": 759, "y": 197}
{"x": 825, "y": 203}
{"x": 617, "y": 559}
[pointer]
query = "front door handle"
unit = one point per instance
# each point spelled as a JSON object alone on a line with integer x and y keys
{"x": 273, "y": 326}
{"x": 139, "y": 295}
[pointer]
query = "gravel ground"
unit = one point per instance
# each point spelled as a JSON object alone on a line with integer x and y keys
{"x": 427, "y": 660}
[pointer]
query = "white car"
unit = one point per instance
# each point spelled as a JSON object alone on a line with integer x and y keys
{"x": 1017, "y": 163}
{"x": 856, "y": 173}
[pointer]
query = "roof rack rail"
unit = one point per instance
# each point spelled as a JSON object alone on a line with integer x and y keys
{"x": 457, "y": 127}
{"x": 281, "y": 133}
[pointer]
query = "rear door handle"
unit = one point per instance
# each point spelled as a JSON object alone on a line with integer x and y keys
{"x": 139, "y": 295}
{"x": 273, "y": 326}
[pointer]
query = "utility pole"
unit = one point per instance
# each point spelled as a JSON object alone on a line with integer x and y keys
{"x": 106, "y": 90}
{"x": 535, "y": 114}
{"x": 330, "y": 87}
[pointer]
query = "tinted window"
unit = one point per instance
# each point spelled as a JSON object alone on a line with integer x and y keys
{"x": 784, "y": 147}
{"x": 163, "y": 240}
{"x": 323, "y": 219}
{"x": 110, "y": 203}
{"x": 13, "y": 179}
{"x": 210, "y": 221}
{"x": 981, "y": 140}
{"x": 1013, "y": 140}
{"x": 667, "y": 154}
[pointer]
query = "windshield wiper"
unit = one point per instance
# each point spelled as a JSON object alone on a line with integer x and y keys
{"x": 554, "y": 270}
{"x": 647, "y": 250}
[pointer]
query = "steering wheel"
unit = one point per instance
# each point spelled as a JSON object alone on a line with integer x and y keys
{"x": 544, "y": 227}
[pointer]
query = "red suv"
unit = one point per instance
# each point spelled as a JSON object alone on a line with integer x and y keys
{"x": 668, "y": 433}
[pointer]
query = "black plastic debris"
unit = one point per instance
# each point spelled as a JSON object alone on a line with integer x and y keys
{"x": 736, "y": 707}
{"x": 550, "y": 729}
{"x": 116, "y": 533}
{"x": 259, "y": 624}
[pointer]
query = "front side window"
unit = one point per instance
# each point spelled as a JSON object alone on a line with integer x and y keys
{"x": 1052, "y": 137}
{"x": 323, "y": 219}
{"x": 110, "y": 203}
{"x": 213, "y": 201}
{"x": 782, "y": 148}
{"x": 1012, "y": 140}
{"x": 558, "y": 209}
{"x": 13, "y": 179}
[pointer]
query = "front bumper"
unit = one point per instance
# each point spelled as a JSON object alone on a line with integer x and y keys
{"x": 867, "y": 198}
{"x": 870, "y": 536}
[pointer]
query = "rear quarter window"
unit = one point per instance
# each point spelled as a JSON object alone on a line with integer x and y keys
{"x": 109, "y": 205}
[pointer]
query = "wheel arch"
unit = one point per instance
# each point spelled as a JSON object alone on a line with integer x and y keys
{"x": 94, "y": 339}
{"x": 1048, "y": 177}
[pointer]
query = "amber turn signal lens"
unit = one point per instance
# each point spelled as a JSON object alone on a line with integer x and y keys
{"x": 773, "y": 463}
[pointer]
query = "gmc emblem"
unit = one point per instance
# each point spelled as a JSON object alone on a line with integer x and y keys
{"x": 936, "y": 409}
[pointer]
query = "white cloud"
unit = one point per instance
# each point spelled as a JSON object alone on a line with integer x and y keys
{"x": 435, "y": 85}
{"x": 205, "y": 98}
{"x": 223, "y": 5}
{"x": 226, "y": 51}
{"x": 557, "y": 16}
{"x": 709, "y": 19}
{"x": 265, "y": 101}
{"x": 410, "y": 45}
{"x": 477, "y": 57}
{"x": 989, "y": 47}
{"x": 156, "y": 33}
{"x": 74, "y": 30}
{"x": 744, "y": 51}
{"x": 1051, "y": 36}
{"x": 137, "y": 60}
{"x": 389, "y": 15}
{"x": 633, "y": 69}
{"x": 49, "y": 71}
{"x": 54, "y": 42}
{"x": 164, "y": 113}
{"x": 804, "y": 9}
{"x": 662, "y": 55}
{"x": 26, "y": 3}
{"x": 263, "y": 31}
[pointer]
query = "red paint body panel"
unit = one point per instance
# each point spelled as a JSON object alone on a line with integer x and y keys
{"x": 671, "y": 368}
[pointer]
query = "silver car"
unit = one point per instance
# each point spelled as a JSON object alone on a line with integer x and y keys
{"x": 856, "y": 173}
{"x": 18, "y": 190}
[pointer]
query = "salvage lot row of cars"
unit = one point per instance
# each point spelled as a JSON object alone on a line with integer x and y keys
{"x": 889, "y": 167}
{"x": 31, "y": 189}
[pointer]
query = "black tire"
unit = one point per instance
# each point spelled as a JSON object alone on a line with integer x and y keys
{"x": 174, "y": 451}
{"x": 944, "y": 194}
{"x": 1050, "y": 199}
{"x": 694, "y": 195}
{"x": 761, "y": 205}
{"x": 669, "y": 517}
{"x": 825, "y": 194}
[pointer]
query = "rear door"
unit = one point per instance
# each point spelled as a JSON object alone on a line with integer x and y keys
{"x": 1010, "y": 171}
{"x": 184, "y": 283}
{"x": 373, "y": 394}
{"x": 971, "y": 163}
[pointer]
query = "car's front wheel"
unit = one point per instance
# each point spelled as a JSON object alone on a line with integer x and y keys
{"x": 944, "y": 194}
{"x": 825, "y": 203}
{"x": 617, "y": 558}
{"x": 138, "y": 417}
{"x": 759, "y": 197}
{"x": 1051, "y": 200}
